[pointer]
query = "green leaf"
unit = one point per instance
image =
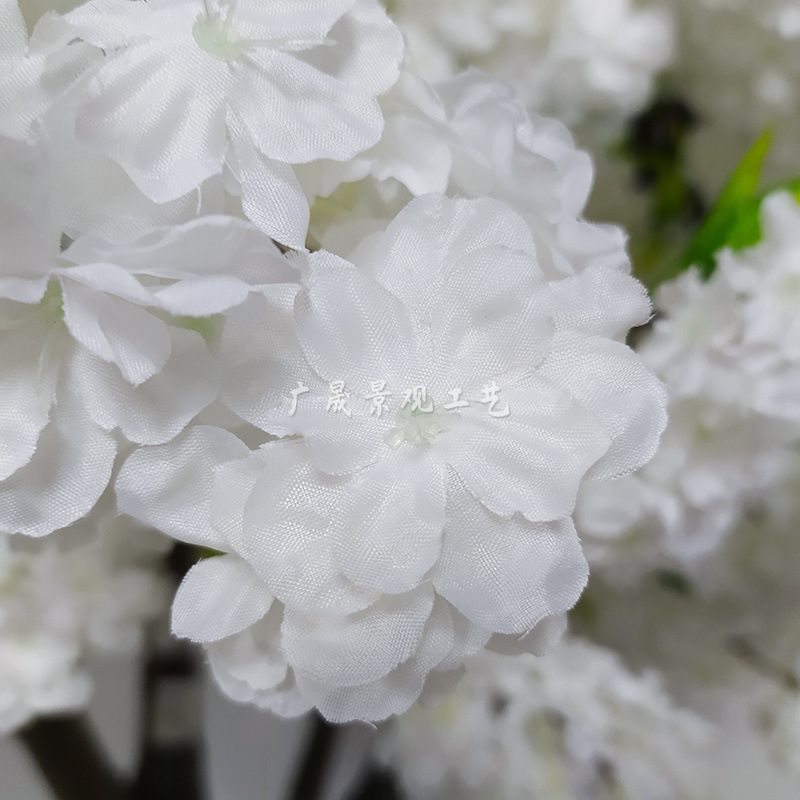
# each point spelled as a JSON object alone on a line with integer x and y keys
{"x": 207, "y": 552}
{"x": 733, "y": 221}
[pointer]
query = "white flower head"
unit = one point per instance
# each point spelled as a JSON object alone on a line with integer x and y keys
{"x": 574, "y": 59}
{"x": 447, "y": 400}
{"x": 475, "y": 140}
{"x": 255, "y": 86}
{"x": 727, "y": 348}
{"x": 101, "y": 338}
{"x": 735, "y": 338}
{"x": 35, "y": 72}
{"x": 712, "y": 465}
{"x": 573, "y": 724}
{"x": 86, "y": 590}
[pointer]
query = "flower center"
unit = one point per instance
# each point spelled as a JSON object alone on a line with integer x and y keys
{"x": 215, "y": 33}
{"x": 419, "y": 427}
{"x": 52, "y": 302}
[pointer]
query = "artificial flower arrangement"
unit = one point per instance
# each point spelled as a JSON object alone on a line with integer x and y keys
{"x": 305, "y": 334}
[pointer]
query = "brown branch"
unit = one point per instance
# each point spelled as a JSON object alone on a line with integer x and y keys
{"x": 68, "y": 754}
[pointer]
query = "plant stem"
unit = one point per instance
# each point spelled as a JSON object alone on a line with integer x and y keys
{"x": 68, "y": 755}
{"x": 309, "y": 781}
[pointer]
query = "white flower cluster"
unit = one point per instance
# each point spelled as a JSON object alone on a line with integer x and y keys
{"x": 380, "y": 547}
{"x": 384, "y": 436}
{"x": 575, "y": 59}
{"x": 576, "y": 724}
{"x": 728, "y": 350}
{"x": 91, "y": 588}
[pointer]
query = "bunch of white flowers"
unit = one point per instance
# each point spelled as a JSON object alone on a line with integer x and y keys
{"x": 575, "y": 59}
{"x": 577, "y": 724}
{"x": 727, "y": 348}
{"x": 89, "y": 589}
{"x": 384, "y": 437}
{"x": 444, "y": 430}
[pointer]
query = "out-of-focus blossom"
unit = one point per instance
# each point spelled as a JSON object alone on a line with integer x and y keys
{"x": 710, "y": 468}
{"x": 727, "y": 348}
{"x": 89, "y": 589}
{"x": 575, "y": 59}
{"x": 738, "y": 65}
{"x": 576, "y": 724}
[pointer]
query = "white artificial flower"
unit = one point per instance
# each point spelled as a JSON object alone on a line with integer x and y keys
{"x": 573, "y": 725}
{"x": 89, "y": 191}
{"x": 34, "y": 73}
{"x": 100, "y": 338}
{"x": 89, "y": 589}
{"x": 448, "y": 399}
{"x": 574, "y": 59}
{"x": 479, "y": 142}
{"x": 727, "y": 348}
{"x": 188, "y": 89}
{"x": 711, "y": 466}
{"x": 736, "y": 337}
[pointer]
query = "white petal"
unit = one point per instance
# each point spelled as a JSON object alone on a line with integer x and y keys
{"x": 507, "y": 574}
{"x": 272, "y": 197}
{"x": 539, "y": 641}
{"x": 108, "y": 278}
{"x": 349, "y": 325}
{"x": 27, "y": 387}
{"x": 532, "y": 460}
{"x": 250, "y": 662}
{"x": 212, "y": 245}
{"x": 468, "y": 639}
{"x": 218, "y": 597}
{"x": 116, "y": 330}
{"x": 203, "y": 296}
{"x": 108, "y": 24}
{"x": 389, "y": 520}
{"x": 364, "y": 49}
{"x": 430, "y": 236}
{"x": 361, "y": 647}
{"x": 262, "y": 363}
{"x": 601, "y": 302}
{"x": 394, "y": 693}
{"x": 493, "y": 317}
{"x": 158, "y": 409}
{"x": 335, "y": 120}
{"x": 65, "y": 477}
{"x": 233, "y": 484}
{"x": 169, "y": 487}
{"x": 286, "y": 19}
{"x": 166, "y": 131}
{"x": 93, "y": 192}
{"x": 613, "y": 382}
{"x": 286, "y": 533}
